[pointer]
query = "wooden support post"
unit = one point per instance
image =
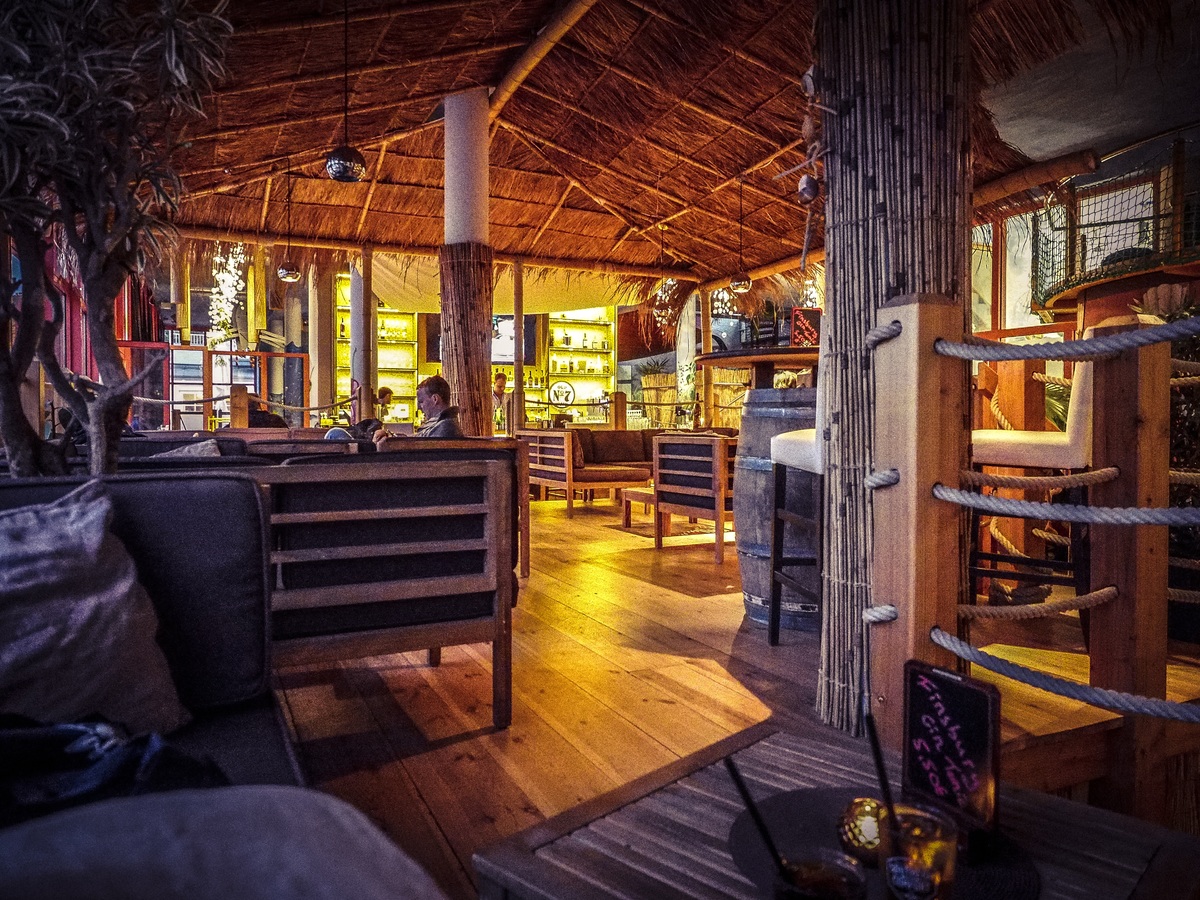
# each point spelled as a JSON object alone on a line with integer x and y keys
{"x": 370, "y": 322}
{"x": 239, "y": 406}
{"x": 321, "y": 329}
{"x": 1131, "y": 430}
{"x": 705, "y": 374}
{"x": 919, "y": 431}
{"x": 619, "y": 407}
{"x": 516, "y": 411}
{"x": 183, "y": 312}
{"x": 256, "y": 296}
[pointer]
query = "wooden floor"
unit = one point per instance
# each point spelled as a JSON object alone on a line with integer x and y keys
{"x": 624, "y": 659}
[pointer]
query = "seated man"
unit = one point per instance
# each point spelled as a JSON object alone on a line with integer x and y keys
{"x": 441, "y": 419}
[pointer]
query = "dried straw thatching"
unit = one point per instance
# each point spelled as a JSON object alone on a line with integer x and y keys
{"x": 643, "y": 112}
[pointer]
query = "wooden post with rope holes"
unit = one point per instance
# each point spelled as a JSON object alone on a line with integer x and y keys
{"x": 239, "y": 406}
{"x": 1131, "y": 430}
{"x": 921, "y": 419}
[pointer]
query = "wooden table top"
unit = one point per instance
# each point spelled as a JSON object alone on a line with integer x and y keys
{"x": 666, "y": 835}
{"x": 797, "y": 357}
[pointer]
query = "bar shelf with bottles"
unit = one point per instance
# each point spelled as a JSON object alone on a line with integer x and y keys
{"x": 580, "y": 364}
{"x": 395, "y": 354}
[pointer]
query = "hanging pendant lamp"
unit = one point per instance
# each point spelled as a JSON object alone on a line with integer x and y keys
{"x": 288, "y": 271}
{"x": 344, "y": 163}
{"x": 740, "y": 283}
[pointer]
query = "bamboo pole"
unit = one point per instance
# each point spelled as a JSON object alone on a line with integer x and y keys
{"x": 897, "y": 230}
{"x": 466, "y": 279}
{"x": 1049, "y": 170}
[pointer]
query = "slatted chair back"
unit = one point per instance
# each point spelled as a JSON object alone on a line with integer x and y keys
{"x": 693, "y": 476}
{"x": 393, "y": 555}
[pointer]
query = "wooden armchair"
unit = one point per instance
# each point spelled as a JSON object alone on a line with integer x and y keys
{"x": 693, "y": 477}
{"x": 373, "y": 557}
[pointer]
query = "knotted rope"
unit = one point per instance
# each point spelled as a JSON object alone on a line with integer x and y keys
{"x": 1038, "y": 610}
{"x": 1039, "y": 482}
{"x": 1052, "y": 537}
{"x": 1063, "y": 512}
{"x": 1087, "y": 348}
{"x": 998, "y": 414}
{"x": 1118, "y": 701}
{"x": 1179, "y": 595}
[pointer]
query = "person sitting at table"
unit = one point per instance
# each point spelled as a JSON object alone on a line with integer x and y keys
{"x": 258, "y": 416}
{"x": 441, "y": 419}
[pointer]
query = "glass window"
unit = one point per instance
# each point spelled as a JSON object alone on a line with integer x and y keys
{"x": 1018, "y": 272}
{"x": 982, "y": 260}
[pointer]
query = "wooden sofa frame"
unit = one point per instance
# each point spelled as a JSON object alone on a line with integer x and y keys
{"x": 392, "y": 555}
{"x": 693, "y": 477}
{"x": 552, "y": 465}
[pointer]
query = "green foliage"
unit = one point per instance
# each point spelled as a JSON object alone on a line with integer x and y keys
{"x": 655, "y": 365}
{"x": 1058, "y": 399}
{"x": 93, "y": 96}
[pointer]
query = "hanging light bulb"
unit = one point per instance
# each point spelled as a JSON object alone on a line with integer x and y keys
{"x": 344, "y": 163}
{"x": 808, "y": 189}
{"x": 740, "y": 283}
{"x": 288, "y": 271}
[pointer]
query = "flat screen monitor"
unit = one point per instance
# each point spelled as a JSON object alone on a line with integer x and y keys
{"x": 503, "y": 343}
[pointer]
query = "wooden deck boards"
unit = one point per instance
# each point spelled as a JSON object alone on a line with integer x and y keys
{"x": 624, "y": 660}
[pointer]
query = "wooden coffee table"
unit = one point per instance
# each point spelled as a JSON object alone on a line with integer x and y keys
{"x": 666, "y": 835}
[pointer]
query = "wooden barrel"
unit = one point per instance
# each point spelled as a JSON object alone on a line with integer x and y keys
{"x": 766, "y": 413}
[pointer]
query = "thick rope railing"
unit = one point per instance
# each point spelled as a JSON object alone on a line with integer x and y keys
{"x": 1184, "y": 476}
{"x": 1039, "y": 482}
{"x": 1038, "y": 610}
{"x": 274, "y": 405}
{"x": 1118, "y": 701}
{"x": 877, "y": 615}
{"x": 998, "y": 414}
{"x": 1085, "y": 348}
{"x": 154, "y": 401}
{"x": 1179, "y": 595}
{"x": 882, "y": 479}
{"x": 1186, "y": 381}
{"x": 1052, "y": 537}
{"x": 881, "y": 333}
{"x": 1182, "y": 562}
{"x": 1052, "y": 379}
{"x": 1021, "y": 594}
{"x": 1185, "y": 366}
{"x": 1063, "y": 512}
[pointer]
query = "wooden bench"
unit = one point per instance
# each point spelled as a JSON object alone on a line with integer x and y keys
{"x": 375, "y": 556}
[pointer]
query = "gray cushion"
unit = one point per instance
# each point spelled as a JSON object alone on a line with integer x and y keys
{"x": 249, "y": 843}
{"x": 200, "y": 448}
{"x": 618, "y": 447}
{"x": 77, "y": 630}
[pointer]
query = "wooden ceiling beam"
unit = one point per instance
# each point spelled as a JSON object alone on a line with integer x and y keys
{"x": 366, "y": 207}
{"x": 683, "y": 24}
{"x": 785, "y": 264}
{"x": 553, "y": 213}
{"x": 388, "y": 11}
{"x": 547, "y": 39}
{"x": 262, "y": 218}
{"x": 353, "y": 246}
{"x": 372, "y": 69}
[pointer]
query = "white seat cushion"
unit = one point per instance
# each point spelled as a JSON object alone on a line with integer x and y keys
{"x": 797, "y": 450}
{"x": 1027, "y": 449}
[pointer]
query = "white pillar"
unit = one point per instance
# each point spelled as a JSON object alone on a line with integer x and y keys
{"x": 466, "y": 210}
{"x": 360, "y": 371}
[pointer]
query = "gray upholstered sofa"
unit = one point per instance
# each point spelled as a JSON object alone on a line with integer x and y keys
{"x": 263, "y": 836}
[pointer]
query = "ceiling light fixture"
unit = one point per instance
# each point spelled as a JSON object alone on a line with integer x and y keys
{"x": 740, "y": 283}
{"x": 288, "y": 271}
{"x": 344, "y": 163}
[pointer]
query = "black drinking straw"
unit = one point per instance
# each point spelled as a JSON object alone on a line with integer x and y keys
{"x": 756, "y": 816}
{"x": 884, "y": 786}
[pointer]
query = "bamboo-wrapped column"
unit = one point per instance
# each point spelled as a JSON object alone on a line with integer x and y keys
{"x": 705, "y": 375}
{"x": 894, "y": 76}
{"x": 466, "y": 262}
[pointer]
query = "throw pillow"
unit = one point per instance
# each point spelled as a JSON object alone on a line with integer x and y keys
{"x": 200, "y": 448}
{"x": 77, "y": 630}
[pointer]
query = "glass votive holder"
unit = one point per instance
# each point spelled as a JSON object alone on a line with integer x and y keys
{"x": 822, "y": 874}
{"x": 922, "y": 866}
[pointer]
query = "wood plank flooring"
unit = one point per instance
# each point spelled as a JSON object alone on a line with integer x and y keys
{"x": 624, "y": 659}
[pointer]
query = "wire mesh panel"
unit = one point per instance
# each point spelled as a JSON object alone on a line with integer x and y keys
{"x": 1139, "y": 212}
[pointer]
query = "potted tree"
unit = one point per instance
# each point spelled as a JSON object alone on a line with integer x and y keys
{"x": 93, "y": 95}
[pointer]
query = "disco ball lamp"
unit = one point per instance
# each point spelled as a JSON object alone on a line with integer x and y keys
{"x": 739, "y": 283}
{"x": 344, "y": 163}
{"x": 288, "y": 272}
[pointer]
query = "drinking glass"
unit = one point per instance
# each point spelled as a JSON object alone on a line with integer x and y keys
{"x": 822, "y": 875}
{"x": 922, "y": 867}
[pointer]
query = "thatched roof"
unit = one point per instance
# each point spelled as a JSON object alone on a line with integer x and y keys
{"x": 643, "y": 113}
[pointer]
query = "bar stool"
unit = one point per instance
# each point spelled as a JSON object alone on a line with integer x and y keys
{"x": 1069, "y": 450}
{"x": 803, "y": 450}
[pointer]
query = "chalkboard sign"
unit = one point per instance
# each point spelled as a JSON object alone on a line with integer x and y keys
{"x": 951, "y": 742}
{"x": 806, "y": 327}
